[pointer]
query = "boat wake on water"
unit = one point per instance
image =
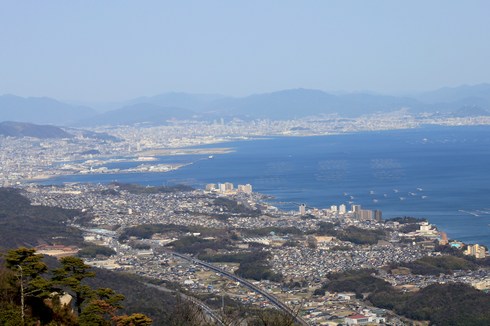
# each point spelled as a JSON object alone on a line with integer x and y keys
{"x": 476, "y": 212}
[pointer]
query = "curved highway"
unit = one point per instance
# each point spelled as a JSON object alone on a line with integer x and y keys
{"x": 279, "y": 304}
{"x": 206, "y": 309}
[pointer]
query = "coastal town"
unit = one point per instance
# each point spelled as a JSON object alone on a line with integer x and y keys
{"x": 199, "y": 238}
{"x": 302, "y": 255}
{"x": 245, "y": 163}
{"x": 104, "y": 149}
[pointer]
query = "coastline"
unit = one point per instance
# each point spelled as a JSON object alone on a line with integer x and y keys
{"x": 283, "y": 167}
{"x": 186, "y": 151}
{"x": 143, "y": 157}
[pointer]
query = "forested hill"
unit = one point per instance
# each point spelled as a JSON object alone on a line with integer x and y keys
{"x": 23, "y": 129}
{"x": 22, "y": 224}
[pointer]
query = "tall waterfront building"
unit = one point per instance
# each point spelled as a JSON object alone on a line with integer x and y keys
{"x": 221, "y": 187}
{"x": 302, "y": 209}
{"x": 228, "y": 186}
{"x": 342, "y": 209}
{"x": 476, "y": 251}
{"x": 211, "y": 187}
{"x": 364, "y": 214}
{"x": 225, "y": 187}
{"x": 355, "y": 208}
{"x": 245, "y": 188}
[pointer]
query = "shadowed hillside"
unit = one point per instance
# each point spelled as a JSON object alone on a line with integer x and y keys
{"x": 23, "y": 129}
{"x": 22, "y": 224}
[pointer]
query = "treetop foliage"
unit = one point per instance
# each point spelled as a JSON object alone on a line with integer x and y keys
{"x": 138, "y": 189}
{"x": 30, "y": 294}
{"x": 406, "y": 220}
{"x": 441, "y": 304}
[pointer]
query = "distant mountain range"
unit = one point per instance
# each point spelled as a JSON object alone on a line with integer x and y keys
{"x": 139, "y": 113}
{"x": 476, "y": 93}
{"x": 297, "y": 103}
{"x": 286, "y": 104}
{"x": 42, "y": 110}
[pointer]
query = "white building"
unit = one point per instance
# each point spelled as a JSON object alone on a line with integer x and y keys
{"x": 302, "y": 209}
{"x": 211, "y": 187}
{"x": 247, "y": 189}
{"x": 342, "y": 209}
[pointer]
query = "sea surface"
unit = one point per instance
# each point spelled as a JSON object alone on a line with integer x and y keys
{"x": 438, "y": 173}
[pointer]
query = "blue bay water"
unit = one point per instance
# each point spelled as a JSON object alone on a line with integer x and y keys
{"x": 439, "y": 173}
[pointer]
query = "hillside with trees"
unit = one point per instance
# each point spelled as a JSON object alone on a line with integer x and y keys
{"x": 35, "y": 224}
{"x": 352, "y": 233}
{"x": 257, "y": 267}
{"x": 22, "y": 129}
{"x": 138, "y": 189}
{"x": 436, "y": 265}
{"x": 31, "y": 293}
{"x": 441, "y": 304}
{"x": 22, "y": 224}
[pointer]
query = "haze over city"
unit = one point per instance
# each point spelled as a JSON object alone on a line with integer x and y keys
{"x": 96, "y": 51}
{"x": 266, "y": 163}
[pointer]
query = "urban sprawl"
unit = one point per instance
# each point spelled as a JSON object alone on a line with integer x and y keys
{"x": 222, "y": 210}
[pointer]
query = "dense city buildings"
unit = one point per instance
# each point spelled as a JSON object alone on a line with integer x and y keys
{"x": 301, "y": 259}
{"x": 92, "y": 155}
{"x": 176, "y": 234}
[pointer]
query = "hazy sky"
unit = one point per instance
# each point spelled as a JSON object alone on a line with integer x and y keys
{"x": 113, "y": 50}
